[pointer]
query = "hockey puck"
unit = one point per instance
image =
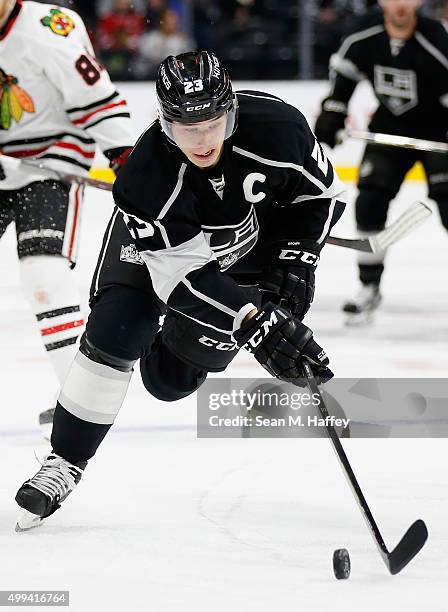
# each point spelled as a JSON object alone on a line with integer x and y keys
{"x": 341, "y": 564}
{"x": 417, "y": 403}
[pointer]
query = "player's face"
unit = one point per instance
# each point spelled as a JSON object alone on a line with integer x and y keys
{"x": 201, "y": 142}
{"x": 400, "y": 13}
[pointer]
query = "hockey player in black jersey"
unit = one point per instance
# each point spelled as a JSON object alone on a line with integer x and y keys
{"x": 405, "y": 58}
{"x": 225, "y": 194}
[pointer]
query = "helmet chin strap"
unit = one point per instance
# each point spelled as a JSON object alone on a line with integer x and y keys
{"x": 5, "y": 11}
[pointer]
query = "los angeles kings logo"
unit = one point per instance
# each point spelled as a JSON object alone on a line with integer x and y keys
{"x": 231, "y": 242}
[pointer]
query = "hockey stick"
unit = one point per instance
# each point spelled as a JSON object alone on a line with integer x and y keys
{"x": 417, "y": 534}
{"x": 399, "y": 141}
{"x": 401, "y": 227}
{"x": 406, "y": 223}
{"x": 13, "y": 164}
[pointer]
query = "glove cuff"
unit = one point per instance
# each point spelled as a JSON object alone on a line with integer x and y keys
{"x": 259, "y": 325}
{"x": 117, "y": 157}
{"x": 269, "y": 319}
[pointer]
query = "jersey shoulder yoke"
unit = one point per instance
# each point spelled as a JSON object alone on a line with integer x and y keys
{"x": 150, "y": 176}
{"x": 50, "y": 24}
{"x": 270, "y": 127}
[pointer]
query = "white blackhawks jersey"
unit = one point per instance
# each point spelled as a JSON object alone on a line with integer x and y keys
{"x": 56, "y": 100}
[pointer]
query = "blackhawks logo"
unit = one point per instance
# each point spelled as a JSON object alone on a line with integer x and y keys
{"x": 58, "y": 22}
{"x": 13, "y": 101}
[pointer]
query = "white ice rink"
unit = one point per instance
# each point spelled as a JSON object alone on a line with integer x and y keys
{"x": 165, "y": 522}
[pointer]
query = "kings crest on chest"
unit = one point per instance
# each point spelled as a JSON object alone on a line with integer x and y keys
{"x": 231, "y": 242}
{"x": 396, "y": 88}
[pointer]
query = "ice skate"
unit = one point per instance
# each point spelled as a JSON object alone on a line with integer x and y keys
{"x": 361, "y": 309}
{"x": 44, "y": 493}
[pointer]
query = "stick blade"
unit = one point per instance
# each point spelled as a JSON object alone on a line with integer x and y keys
{"x": 406, "y": 223}
{"x": 409, "y": 545}
{"x": 401, "y": 227}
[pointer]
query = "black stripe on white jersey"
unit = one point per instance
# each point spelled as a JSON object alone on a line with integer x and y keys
{"x": 51, "y": 138}
{"x": 65, "y": 158}
{"x": 93, "y": 104}
{"x": 86, "y": 127}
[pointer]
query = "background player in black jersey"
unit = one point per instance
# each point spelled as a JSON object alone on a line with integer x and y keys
{"x": 405, "y": 58}
{"x": 223, "y": 196}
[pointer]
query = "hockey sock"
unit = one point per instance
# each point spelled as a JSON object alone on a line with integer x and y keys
{"x": 90, "y": 399}
{"x": 370, "y": 274}
{"x": 50, "y": 288}
{"x": 370, "y": 265}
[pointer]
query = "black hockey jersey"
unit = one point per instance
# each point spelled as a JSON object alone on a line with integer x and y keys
{"x": 200, "y": 230}
{"x": 410, "y": 78}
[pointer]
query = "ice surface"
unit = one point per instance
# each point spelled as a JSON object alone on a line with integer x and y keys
{"x": 166, "y": 522}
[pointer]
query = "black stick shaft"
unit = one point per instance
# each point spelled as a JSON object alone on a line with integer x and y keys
{"x": 347, "y": 469}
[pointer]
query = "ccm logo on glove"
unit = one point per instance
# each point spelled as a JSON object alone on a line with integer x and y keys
{"x": 279, "y": 342}
{"x": 264, "y": 328}
{"x": 220, "y": 346}
{"x": 322, "y": 356}
{"x": 309, "y": 258}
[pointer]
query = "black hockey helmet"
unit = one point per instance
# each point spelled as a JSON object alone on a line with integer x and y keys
{"x": 193, "y": 87}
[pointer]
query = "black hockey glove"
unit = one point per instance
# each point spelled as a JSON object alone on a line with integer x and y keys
{"x": 330, "y": 121}
{"x": 117, "y": 157}
{"x": 279, "y": 343}
{"x": 290, "y": 275}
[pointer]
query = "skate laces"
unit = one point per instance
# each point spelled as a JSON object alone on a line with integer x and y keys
{"x": 56, "y": 477}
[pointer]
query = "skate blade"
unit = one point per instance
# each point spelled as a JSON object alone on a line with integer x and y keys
{"x": 27, "y": 521}
{"x": 45, "y": 430}
{"x": 46, "y": 423}
{"x": 361, "y": 319}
